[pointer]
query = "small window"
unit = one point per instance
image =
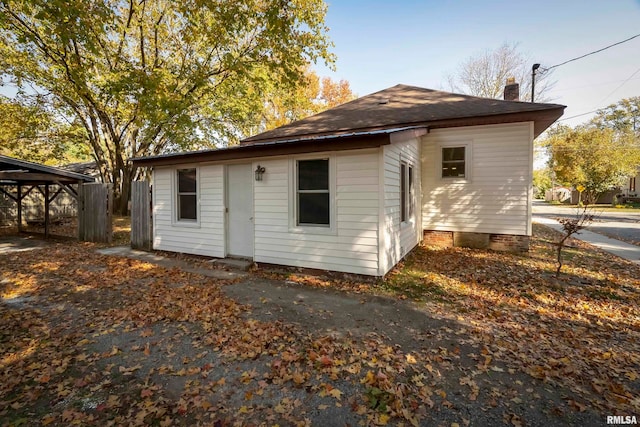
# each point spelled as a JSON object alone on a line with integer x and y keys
{"x": 312, "y": 192}
{"x": 453, "y": 162}
{"x": 187, "y": 195}
{"x": 406, "y": 192}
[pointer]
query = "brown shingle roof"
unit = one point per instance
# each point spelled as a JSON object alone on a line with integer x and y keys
{"x": 369, "y": 121}
{"x": 404, "y": 105}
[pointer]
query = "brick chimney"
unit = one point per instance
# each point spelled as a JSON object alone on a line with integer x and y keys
{"x": 512, "y": 90}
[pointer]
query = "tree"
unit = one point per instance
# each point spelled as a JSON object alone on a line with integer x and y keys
{"x": 622, "y": 116}
{"x": 151, "y": 76}
{"x": 542, "y": 182}
{"x": 570, "y": 226}
{"x": 594, "y": 158}
{"x": 29, "y": 132}
{"x": 486, "y": 74}
{"x": 311, "y": 96}
{"x": 333, "y": 93}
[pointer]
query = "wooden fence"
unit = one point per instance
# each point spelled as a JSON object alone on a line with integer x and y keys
{"x": 141, "y": 227}
{"x": 95, "y": 202}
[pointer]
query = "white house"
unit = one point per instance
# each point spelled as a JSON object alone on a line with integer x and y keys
{"x": 355, "y": 188}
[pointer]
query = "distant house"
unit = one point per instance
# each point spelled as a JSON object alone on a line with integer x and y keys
{"x": 355, "y": 188}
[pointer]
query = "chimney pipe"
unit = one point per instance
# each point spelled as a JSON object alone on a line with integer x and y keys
{"x": 512, "y": 90}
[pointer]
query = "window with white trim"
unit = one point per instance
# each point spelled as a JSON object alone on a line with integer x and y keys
{"x": 407, "y": 192}
{"x": 313, "y": 198}
{"x": 187, "y": 195}
{"x": 454, "y": 162}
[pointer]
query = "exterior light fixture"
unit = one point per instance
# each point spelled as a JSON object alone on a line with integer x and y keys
{"x": 259, "y": 171}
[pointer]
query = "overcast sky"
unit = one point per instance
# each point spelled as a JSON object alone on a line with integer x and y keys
{"x": 382, "y": 43}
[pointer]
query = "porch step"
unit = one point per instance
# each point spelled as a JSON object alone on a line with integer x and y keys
{"x": 233, "y": 263}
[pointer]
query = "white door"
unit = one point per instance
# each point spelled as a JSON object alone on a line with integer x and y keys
{"x": 240, "y": 210}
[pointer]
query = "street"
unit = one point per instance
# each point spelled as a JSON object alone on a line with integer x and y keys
{"x": 623, "y": 224}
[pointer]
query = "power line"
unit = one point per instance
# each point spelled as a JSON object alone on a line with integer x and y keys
{"x": 578, "y": 115}
{"x": 574, "y": 88}
{"x": 622, "y": 84}
{"x": 605, "y": 98}
{"x": 591, "y": 53}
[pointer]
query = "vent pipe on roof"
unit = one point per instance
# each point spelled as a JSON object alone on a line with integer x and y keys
{"x": 512, "y": 90}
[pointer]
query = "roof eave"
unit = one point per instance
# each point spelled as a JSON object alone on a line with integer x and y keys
{"x": 347, "y": 140}
{"x": 543, "y": 119}
{"x": 62, "y": 175}
{"x": 269, "y": 149}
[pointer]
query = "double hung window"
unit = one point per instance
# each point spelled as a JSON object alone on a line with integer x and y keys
{"x": 453, "y": 162}
{"x": 407, "y": 193}
{"x": 187, "y": 197}
{"x": 313, "y": 197}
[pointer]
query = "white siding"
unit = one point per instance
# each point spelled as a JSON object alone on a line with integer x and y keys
{"x": 398, "y": 238}
{"x": 351, "y": 246}
{"x": 496, "y": 198}
{"x": 206, "y": 237}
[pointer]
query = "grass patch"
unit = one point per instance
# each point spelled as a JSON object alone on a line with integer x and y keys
{"x": 599, "y": 207}
{"x": 411, "y": 282}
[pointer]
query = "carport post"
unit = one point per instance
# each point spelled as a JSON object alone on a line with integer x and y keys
{"x": 19, "y": 201}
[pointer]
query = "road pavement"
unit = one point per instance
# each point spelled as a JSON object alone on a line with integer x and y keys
{"x": 623, "y": 224}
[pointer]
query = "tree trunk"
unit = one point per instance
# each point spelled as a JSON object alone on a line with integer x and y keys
{"x": 591, "y": 196}
{"x": 122, "y": 189}
{"x": 560, "y": 246}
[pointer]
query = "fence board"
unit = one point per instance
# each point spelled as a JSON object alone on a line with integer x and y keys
{"x": 95, "y": 202}
{"x": 140, "y": 215}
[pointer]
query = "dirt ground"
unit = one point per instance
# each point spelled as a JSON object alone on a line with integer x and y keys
{"x": 93, "y": 339}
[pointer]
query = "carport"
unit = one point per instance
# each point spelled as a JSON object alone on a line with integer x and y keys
{"x": 18, "y": 178}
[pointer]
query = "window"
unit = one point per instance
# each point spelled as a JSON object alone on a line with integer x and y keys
{"x": 411, "y": 192}
{"x": 453, "y": 162}
{"x": 187, "y": 195}
{"x": 403, "y": 192}
{"x": 406, "y": 192}
{"x": 312, "y": 192}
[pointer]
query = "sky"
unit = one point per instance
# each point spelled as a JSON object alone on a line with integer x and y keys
{"x": 382, "y": 43}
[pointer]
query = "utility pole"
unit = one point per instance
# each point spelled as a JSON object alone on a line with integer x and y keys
{"x": 533, "y": 80}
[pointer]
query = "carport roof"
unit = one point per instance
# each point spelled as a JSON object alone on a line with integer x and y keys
{"x": 14, "y": 171}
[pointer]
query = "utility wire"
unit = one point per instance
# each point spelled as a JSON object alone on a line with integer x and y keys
{"x": 578, "y": 115}
{"x": 622, "y": 84}
{"x": 604, "y": 99}
{"x": 591, "y": 53}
